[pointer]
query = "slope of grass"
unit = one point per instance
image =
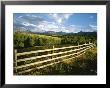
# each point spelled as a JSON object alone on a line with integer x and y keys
{"x": 83, "y": 65}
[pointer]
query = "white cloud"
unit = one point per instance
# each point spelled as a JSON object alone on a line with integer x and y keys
{"x": 46, "y": 26}
{"x": 28, "y": 24}
{"x": 67, "y": 15}
{"x": 93, "y": 27}
{"x": 20, "y": 17}
{"x": 33, "y": 16}
{"x": 75, "y": 28}
{"x": 60, "y": 17}
{"x": 52, "y": 26}
{"x": 38, "y": 24}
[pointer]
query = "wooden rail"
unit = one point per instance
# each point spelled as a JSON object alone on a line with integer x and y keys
{"x": 24, "y": 53}
{"x": 78, "y": 51}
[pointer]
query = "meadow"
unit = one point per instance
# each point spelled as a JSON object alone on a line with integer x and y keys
{"x": 86, "y": 64}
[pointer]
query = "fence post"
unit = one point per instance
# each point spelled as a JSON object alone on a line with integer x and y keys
{"x": 90, "y": 45}
{"x": 53, "y": 50}
{"x": 15, "y": 59}
{"x": 78, "y": 45}
{"x": 78, "y": 48}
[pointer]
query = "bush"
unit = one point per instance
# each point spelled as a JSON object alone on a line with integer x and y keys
{"x": 24, "y": 40}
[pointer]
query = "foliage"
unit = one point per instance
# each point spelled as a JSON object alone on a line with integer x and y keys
{"x": 24, "y": 40}
{"x": 81, "y": 65}
{"x": 75, "y": 39}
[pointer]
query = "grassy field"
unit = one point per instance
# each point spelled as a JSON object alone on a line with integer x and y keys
{"x": 83, "y": 65}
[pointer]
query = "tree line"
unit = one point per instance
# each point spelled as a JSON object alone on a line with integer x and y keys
{"x": 24, "y": 40}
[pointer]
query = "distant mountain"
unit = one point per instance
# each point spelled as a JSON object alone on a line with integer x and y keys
{"x": 51, "y": 33}
{"x": 87, "y": 33}
{"x": 84, "y": 33}
{"x": 21, "y": 29}
{"x": 54, "y": 33}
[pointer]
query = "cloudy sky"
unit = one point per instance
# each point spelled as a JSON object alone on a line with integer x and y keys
{"x": 65, "y": 22}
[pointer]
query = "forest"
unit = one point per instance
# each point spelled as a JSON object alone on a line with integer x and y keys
{"x": 25, "y": 39}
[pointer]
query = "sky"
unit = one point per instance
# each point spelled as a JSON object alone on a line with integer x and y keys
{"x": 57, "y": 22}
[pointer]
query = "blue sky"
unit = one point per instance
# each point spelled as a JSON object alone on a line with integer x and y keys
{"x": 65, "y": 22}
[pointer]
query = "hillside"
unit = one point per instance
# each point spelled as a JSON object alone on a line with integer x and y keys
{"x": 29, "y": 39}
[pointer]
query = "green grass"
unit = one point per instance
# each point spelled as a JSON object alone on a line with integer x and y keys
{"x": 83, "y": 65}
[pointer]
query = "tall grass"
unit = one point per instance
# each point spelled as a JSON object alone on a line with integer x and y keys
{"x": 83, "y": 65}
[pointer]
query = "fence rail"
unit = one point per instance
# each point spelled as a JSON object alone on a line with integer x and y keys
{"x": 24, "y": 53}
{"x": 27, "y": 67}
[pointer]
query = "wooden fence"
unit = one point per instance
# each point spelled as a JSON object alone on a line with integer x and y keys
{"x": 48, "y": 58}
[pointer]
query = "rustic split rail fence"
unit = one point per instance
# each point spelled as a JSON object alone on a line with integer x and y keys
{"x": 47, "y": 57}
